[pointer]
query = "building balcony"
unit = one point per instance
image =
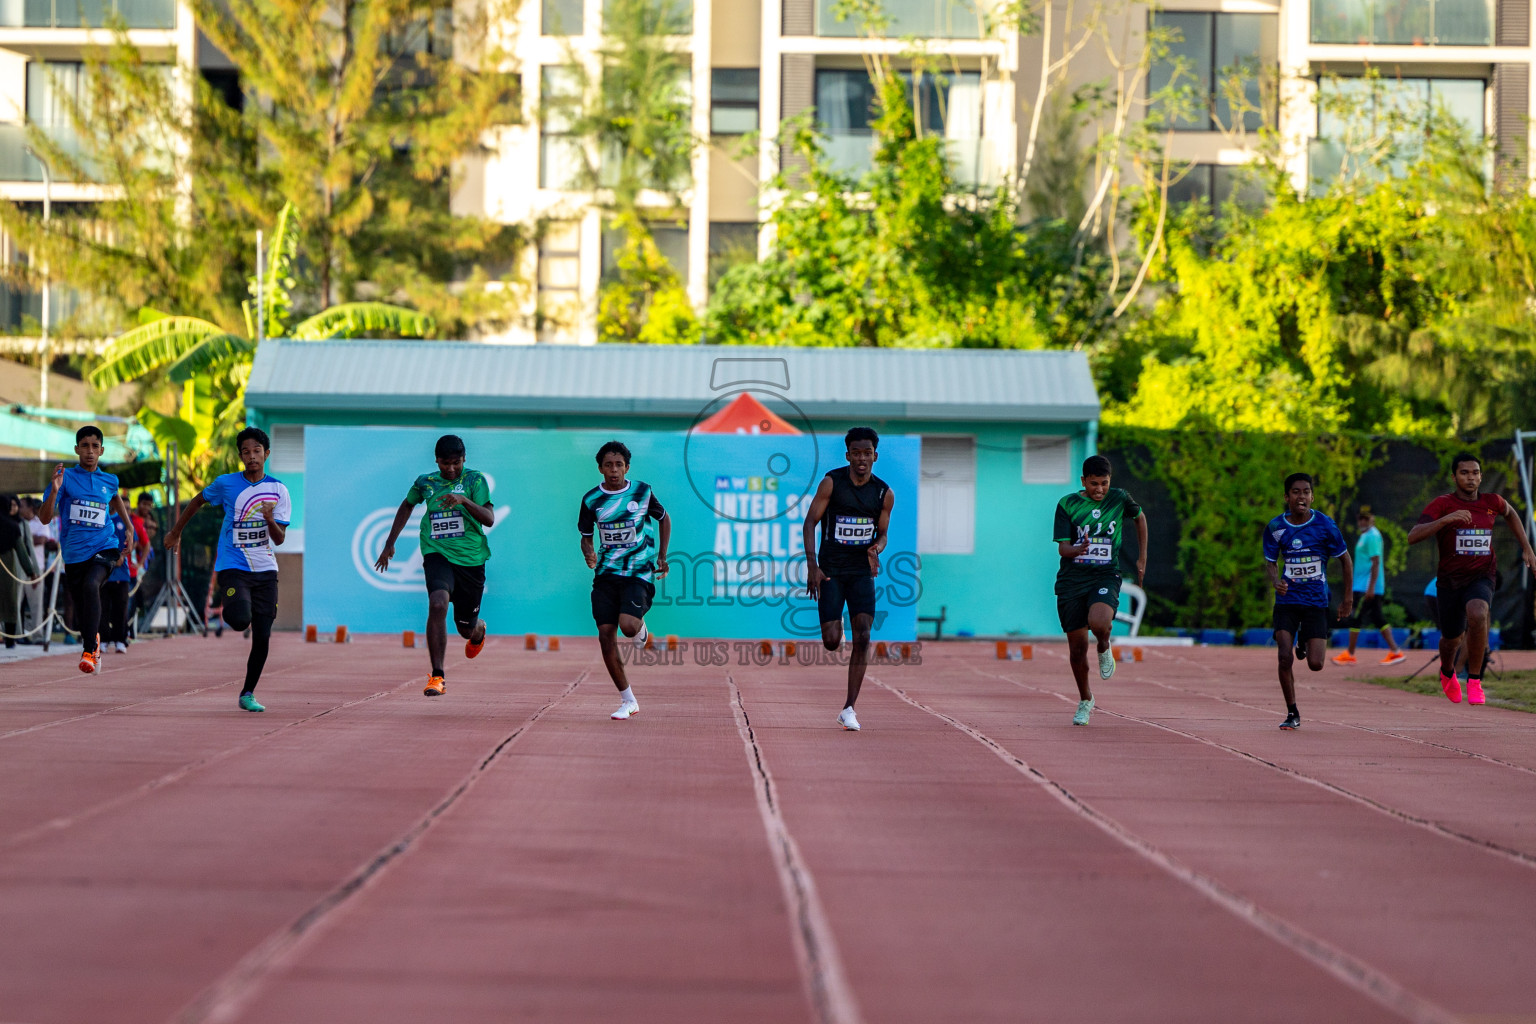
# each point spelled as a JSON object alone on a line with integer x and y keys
{"x": 853, "y": 154}
{"x": 921, "y": 19}
{"x": 159, "y": 14}
{"x": 1403, "y": 22}
{"x": 16, "y": 164}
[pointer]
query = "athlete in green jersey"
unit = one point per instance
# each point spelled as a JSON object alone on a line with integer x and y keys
{"x": 1090, "y": 524}
{"x": 624, "y": 536}
{"x": 453, "y": 551}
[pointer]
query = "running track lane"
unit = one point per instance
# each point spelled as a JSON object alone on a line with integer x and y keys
{"x": 1451, "y": 922}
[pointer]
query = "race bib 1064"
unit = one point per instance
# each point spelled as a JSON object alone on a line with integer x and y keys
{"x": 91, "y": 515}
{"x": 446, "y": 525}
{"x": 1099, "y": 552}
{"x": 1474, "y": 542}
{"x": 1304, "y": 570}
{"x": 853, "y": 530}
{"x": 250, "y": 533}
{"x": 618, "y": 535}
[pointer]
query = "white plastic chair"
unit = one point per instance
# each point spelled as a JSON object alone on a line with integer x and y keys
{"x": 1138, "y": 598}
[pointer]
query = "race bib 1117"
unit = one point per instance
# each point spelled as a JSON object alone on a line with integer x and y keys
{"x": 1476, "y": 543}
{"x": 91, "y": 515}
{"x": 853, "y": 530}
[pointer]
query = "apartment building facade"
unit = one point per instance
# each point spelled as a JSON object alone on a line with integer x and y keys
{"x": 754, "y": 63}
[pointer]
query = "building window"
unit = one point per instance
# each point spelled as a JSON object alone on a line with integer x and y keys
{"x": 1217, "y": 185}
{"x": 1374, "y": 127}
{"x": 671, "y": 240}
{"x": 560, "y": 162}
{"x": 562, "y": 17}
{"x": 1048, "y": 460}
{"x": 948, "y": 105}
{"x": 924, "y": 19}
{"x": 1403, "y": 22}
{"x": 660, "y": 17}
{"x": 733, "y": 100}
{"x": 946, "y": 498}
{"x": 730, "y": 243}
{"x": 1213, "y": 71}
{"x": 94, "y": 13}
{"x": 559, "y": 298}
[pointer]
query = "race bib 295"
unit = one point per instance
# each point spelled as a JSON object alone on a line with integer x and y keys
{"x": 447, "y": 525}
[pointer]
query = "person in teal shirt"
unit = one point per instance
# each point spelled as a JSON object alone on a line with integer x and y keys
{"x": 1370, "y": 586}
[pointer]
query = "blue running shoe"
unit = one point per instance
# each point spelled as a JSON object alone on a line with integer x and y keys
{"x": 248, "y": 703}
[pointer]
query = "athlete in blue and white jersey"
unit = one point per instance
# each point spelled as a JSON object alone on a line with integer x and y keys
{"x": 84, "y": 497}
{"x": 1297, "y": 547}
{"x": 257, "y": 511}
{"x": 624, "y": 536}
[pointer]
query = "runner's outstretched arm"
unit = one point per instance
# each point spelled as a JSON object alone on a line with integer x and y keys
{"x": 402, "y": 514}
{"x": 663, "y": 538}
{"x": 481, "y": 513}
{"x": 173, "y": 539}
{"x": 1347, "y": 599}
{"x": 46, "y": 510}
{"x": 121, "y": 508}
{"x": 1423, "y": 531}
{"x": 882, "y": 524}
{"x": 813, "y": 573}
{"x": 1141, "y": 546}
{"x": 1512, "y": 518}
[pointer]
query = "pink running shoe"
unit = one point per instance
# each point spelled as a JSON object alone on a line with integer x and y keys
{"x": 1452, "y": 687}
{"x": 1475, "y": 691}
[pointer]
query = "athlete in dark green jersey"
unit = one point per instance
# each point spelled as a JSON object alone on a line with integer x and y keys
{"x": 624, "y": 536}
{"x": 453, "y": 551}
{"x": 1090, "y": 524}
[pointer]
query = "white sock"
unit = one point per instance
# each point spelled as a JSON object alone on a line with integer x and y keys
{"x": 627, "y": 696}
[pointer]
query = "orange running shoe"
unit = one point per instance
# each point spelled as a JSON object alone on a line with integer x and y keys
{"x": 1394, "y": 657}
{"x": 472, "y": 650}
{"x": 435, "y": 686}
{"x": 1344, "y": 658}
{"x": 90, "y": 661}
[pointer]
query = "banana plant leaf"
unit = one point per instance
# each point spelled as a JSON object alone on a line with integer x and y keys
{"x": 356, "y": 319}
{"x": 216, "y": 351}
{"x": 148, "y": 347}
{"x": 165, "y": 429}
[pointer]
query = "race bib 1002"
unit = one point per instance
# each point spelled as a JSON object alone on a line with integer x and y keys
{"x": 1304, "y": 570}
{"x": 250, "y": 533}
{"x": 446, "y": 525}
{"x": 1476, "y": 543}
{"x": 1099, "y": 552}
{"x": 853, "y": 530}
{"x": 618, "y": 535}
{"x": 91, "y": 515}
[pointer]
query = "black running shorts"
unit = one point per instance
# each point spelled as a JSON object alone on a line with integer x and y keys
{"x": 465, "y": 585}
{"x": 856, "y": 591}
{"x": 1368, "y": 612}
{"x": 1303, "y": 621}
{"x": 614, "y": 595}
{"x": 1075, "y": 595}
{"x": 1453, "y": 604}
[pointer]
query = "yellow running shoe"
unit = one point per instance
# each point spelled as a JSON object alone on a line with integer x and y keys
{"x": 435, "y": 686}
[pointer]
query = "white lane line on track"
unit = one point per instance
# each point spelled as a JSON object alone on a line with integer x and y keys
{"x": 176, "y": 775}
{"x": 83, "y": 676}
{"x": 116, "y": 707}
{"x": 1352, "y": 971}
{"x": 827, "y": 988}
{"x": 229, "y": 995}
{"x": 1520, "y": 857}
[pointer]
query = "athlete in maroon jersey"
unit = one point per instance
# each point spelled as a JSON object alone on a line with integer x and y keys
{"x": 1462, "y": 524}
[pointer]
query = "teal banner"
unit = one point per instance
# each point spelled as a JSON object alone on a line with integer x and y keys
{"x": 736, "y": 503}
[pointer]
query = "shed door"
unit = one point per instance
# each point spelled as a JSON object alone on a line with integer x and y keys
{"x": 946, "y": 500}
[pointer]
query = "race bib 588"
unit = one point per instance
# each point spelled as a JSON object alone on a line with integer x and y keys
{"x": 618, "y": 535}
{"x": 853, "y": 530}
{"x": 1474, "y": 542}
{"x": 250, "y": 533}
{"x": 89, "y": 514}
{"x": 1304, "y": 570}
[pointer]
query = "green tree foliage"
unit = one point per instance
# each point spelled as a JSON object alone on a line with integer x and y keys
{"x": 354, "y": 113}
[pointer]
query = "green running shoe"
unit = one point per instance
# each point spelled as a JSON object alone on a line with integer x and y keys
{"x": 248, "y": 703}
{"x": 1084, "y": 709}
{"x": 1106, "y": 663}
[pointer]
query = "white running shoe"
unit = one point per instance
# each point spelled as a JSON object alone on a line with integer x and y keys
{"x": 121, "y": 648}
{"x": 627, "y": 709}
{"x": 1084, "y": 709}
{"x": 848, "y": 720}
{"x": 641, "y": 637}
{"x": 1106, "y": 663}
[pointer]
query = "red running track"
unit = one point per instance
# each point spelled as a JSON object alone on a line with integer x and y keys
{"x": 361, "y": 853}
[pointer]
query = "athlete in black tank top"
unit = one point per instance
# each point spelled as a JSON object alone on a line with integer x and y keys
{"x": 853, "y": 508}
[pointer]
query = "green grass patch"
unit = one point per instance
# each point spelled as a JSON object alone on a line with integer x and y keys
{"x": 1514, "y": 690}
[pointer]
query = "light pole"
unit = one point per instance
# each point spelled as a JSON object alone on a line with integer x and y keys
{"x": 47, "y": 358}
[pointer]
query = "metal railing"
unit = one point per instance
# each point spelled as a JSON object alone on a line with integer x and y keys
{"x": 1403, "y": 22}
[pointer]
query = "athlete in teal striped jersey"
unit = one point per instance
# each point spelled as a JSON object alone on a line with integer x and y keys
{"x": 624, "y": 536}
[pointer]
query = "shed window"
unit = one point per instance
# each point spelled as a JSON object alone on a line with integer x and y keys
{"x": 946, "y": 500}
{"x": 287, "y": 448}
{"x": 1047, "y": 460}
